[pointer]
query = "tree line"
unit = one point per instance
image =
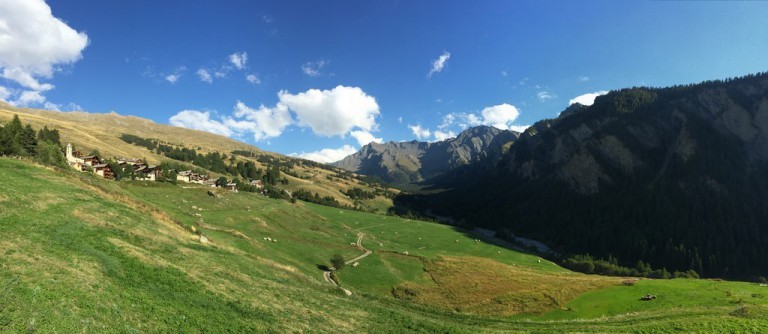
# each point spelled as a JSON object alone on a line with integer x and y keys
{"x": 44, "y": 146}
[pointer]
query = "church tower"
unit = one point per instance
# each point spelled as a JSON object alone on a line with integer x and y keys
{"x": 69, "y": 152}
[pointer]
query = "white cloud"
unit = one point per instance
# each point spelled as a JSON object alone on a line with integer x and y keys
{"x": 440, "y": 135}
{"x": 365, "y": 137}
{"x": 333, "y": 112}
{"x": 199, "y": 120}
{"x": 583, "y": 78}
{"x": 587, "y": 99}
{"x": 262, "y": 122}
{"x": 419, "y": 132}
{"x": 252, "y": 78}
{"x": 327, "y": 155}
{"x": 313, "y": 68}
{"x": 504, "y": 74}
{"x": 172, "y": 78}
{"x": 545, "y": 95}
{"x": 239, "y": 60}
{"x": 400, "y": 120}
{"x": 59, "y": 107}
{"x": 5, "y": 93}
{"x": 33, "y": 43}
{"x": 502, "y": 116}
{"x": 439, "y": 64}
{"x": 204, "y": 75}
{"x": 220, "y": 73}
{"x": 28, "y": 98}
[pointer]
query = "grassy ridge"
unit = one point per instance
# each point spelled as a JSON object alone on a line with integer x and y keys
{"x": 82, "y": 254}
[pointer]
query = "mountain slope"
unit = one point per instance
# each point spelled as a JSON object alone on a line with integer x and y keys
{"x": 412, "y": 162}
{"x": 92, "y": 131}
{"x": 677, "y": 177}
{"x": 128, "y": 257}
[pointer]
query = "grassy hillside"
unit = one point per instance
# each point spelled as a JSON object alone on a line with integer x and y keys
{"x": 83, "y": 254}
{"x": 89, "y": 131}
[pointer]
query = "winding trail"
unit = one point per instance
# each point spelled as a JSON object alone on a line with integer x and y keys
{"x": 359, "y": 245}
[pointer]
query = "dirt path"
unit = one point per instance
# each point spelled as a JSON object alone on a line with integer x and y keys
{"x": 359, "y": 245}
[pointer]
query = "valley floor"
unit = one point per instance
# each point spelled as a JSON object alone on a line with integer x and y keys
{"x": 80, "y": 254}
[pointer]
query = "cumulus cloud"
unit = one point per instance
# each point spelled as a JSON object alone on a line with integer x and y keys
{"x": 365, "y": 137}
{"x": 263, "y": 122}
{"x": 33, "y": 43}
{"x": 252, "y": 78}
{"x": 440, "y": 135}
{"x": 239, "y": 60}
{"x": 327, "y": 155}
{"x": 28, "y": 98}
{"x": 502, "y": 116}
{"x": 313, "y": 68}
{"x": 200, "y": 120}
{"x": 587, "y": 99}
{"x": 333, "y": 112}
{"x": 439, "y": 64}
{"x": 499, "y": 116}
{"x": 204, "y": 75}
{"x": 419, "y": 132}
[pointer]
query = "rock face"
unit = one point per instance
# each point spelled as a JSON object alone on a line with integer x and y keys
{"x": 677, "y": 177}
{"x": 410, "y": 162}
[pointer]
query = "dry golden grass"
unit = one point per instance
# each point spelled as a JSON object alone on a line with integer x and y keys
{"x": 486, "y": 287}
{"x": 89, "y": 131}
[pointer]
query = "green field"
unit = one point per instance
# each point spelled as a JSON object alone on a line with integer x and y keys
{"x": 80, "y": 254}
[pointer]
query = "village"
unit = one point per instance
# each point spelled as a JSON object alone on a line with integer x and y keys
{"x": 141, "y": 170}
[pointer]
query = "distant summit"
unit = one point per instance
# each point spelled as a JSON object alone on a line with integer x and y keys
{"x": 411, "y": 162}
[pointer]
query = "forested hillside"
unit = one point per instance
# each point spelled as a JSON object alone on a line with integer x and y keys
{"x": 676, "y": 177}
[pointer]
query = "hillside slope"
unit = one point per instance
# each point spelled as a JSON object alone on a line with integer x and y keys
{"x": 124, "y": 257}
{"x": 412, "y": 162}
{"x": 91, "y": 131}
{"x": 677, "y": 177}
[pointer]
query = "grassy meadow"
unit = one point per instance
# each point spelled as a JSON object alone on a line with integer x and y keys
{"x": 81, "y": 254}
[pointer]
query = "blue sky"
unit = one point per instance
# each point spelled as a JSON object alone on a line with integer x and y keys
{"x": 322, "y": 78}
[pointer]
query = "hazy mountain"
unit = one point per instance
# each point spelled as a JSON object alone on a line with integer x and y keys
{"x": 677, "y": 177}
{"x": 411, "y": 162}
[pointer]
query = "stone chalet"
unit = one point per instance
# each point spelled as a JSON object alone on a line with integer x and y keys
{"x": 191, "y": 177}
{"x": 141, "y": 169}
{"x": 83, "y": 163}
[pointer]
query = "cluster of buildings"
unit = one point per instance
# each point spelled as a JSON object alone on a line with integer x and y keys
{"x": 141, "y": 170}
{"x": 83, "y": 163}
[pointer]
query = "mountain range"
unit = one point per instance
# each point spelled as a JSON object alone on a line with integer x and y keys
{"x": 410, "y": 163}
{"x": 676, "y": 177}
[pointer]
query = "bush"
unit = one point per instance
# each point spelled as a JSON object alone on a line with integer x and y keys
{"x": 337, "y": 261}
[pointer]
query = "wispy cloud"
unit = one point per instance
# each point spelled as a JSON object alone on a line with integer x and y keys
{"x": 239, "y": 60}
{"x": 204, "y": 75}
{"x": 252, "y": 78}
{"x": 314, "y": 68}
{"x": 545, "y": 96}
{"x": 439, "y": 64}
